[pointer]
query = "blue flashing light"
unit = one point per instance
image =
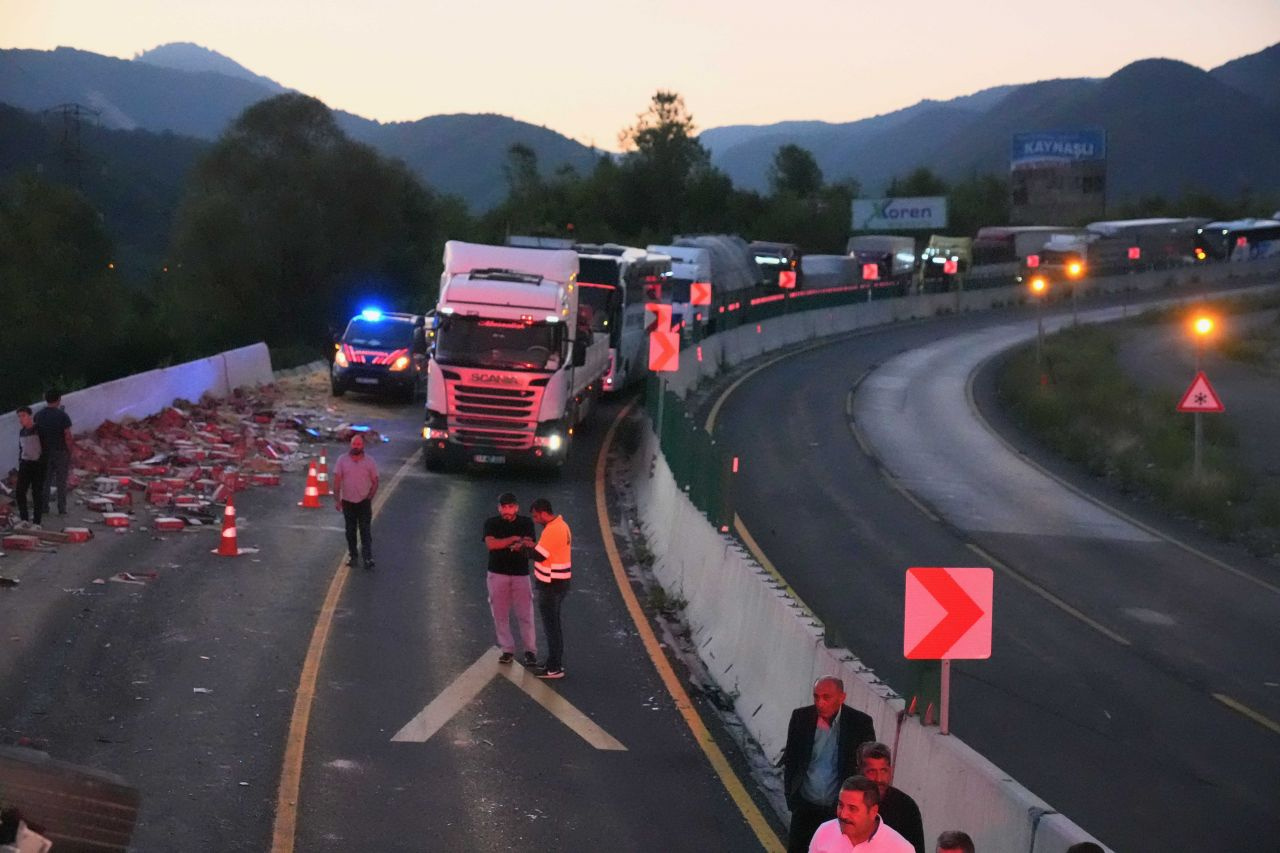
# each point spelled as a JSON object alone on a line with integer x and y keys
{"x": 373, "y": 315}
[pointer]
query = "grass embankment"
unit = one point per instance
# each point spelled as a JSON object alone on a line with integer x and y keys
{"x": 1094, "y": 415}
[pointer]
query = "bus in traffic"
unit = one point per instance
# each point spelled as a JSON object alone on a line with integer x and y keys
{"x": 613, "y": 282}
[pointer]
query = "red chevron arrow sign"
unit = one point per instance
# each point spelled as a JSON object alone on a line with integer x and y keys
{"x": 664, "y": 352}
{"x": 948, "y": 614}
{"x": 661, "y": 312}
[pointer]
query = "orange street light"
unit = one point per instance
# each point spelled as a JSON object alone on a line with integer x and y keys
{"x": 1039, "y": 287}
{"x": 1202, "y": 325}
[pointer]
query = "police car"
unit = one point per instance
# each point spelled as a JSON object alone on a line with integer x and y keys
{"x": 381, "y": 351}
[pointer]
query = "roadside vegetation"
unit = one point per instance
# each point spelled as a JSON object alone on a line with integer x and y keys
{"x": 284, "y": 227}
{"x": 1092, "y": 414}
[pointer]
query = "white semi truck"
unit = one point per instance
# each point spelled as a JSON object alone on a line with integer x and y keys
{"x": 514, "y": 368}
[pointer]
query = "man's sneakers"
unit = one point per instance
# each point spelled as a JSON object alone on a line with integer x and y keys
{"x": 506, "y": 657}
{"x": 351, "y": 561}
{"x": 548, "y": 674}
{"x": 531, "y": 660}
{"x": 368, "y": 565}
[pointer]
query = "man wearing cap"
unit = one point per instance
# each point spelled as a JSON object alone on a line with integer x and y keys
{"x": 355, "y": 482}
{"x": 509, "y": 536}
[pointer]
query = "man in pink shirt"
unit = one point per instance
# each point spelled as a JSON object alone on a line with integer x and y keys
{"x": 355, "y": 482}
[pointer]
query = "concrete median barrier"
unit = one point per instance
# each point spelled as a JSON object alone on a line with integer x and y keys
{"x": 764, "y": 650}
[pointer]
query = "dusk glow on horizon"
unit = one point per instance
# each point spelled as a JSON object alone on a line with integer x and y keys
{"x": 586, "y": 69}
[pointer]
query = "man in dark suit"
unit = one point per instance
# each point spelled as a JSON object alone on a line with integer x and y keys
{"x": 821, "y": 752}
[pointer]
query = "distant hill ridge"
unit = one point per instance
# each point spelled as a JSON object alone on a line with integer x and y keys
{"x": 190, "y": 90}
{"x": 1170, "y": 126}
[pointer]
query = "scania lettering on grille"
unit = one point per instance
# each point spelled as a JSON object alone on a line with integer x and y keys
{"x": 495, "y": 379}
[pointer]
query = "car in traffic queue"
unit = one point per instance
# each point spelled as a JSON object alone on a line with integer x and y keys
{"x": 381, "y": 352}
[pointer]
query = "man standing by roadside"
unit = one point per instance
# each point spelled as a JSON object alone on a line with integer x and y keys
{"x": 54, "y": 428}
{"x": 30, "y": 466}
{"x": 355, "y": 482}
{"x": 508, "y": 536}
{"x": 821, "y": 752}
{"x": 897, "y": 809}
{"x": 552, "y": 570}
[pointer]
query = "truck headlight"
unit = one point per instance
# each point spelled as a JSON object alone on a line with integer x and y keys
{"x": 552, "y": 441}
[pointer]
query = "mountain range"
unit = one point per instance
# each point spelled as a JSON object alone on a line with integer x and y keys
{"x": 1170, "y": 126}
{"x": 189, "y": 90}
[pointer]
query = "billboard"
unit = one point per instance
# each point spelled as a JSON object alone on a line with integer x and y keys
{"x": 1059, "y": 146}
{"x": 1057, "y": 176}
{"x": 899, "y": 214}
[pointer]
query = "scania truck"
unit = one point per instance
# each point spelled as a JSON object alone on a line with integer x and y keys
{"x": 514, "y": 367}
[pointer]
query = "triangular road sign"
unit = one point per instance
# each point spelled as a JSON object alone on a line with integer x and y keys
{"x": 1200, "y": 397}
{"x": 468, "y": 685}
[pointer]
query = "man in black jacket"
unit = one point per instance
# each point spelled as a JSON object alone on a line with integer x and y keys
{"x": 821, "y": 752}
{"x": 897, "y": 809}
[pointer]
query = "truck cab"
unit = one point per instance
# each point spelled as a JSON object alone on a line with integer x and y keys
{"x": 514, "y": 368}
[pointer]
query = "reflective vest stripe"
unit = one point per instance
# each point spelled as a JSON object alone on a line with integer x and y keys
{"x": 554, "y": 546}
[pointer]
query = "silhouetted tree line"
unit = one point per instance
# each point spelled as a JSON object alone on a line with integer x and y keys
{"x": 286, "y": 226}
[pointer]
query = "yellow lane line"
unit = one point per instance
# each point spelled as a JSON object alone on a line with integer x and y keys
{"x": 737, "y": 791}
{"x": 1049, "y": 597}
{"x": 766, "y": 563}
{"x": 287, "y": 795}
{"x": 724, "y": 395}
{"x": 1261, "y": 720}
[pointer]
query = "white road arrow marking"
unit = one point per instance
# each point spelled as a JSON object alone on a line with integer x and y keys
{"x": 468, "y": 685}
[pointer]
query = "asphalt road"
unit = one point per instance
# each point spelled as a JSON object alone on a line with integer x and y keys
{"x": 107, "y": 676}
{"x": 503, "y": 773}
{"x": 1116, "y": 728}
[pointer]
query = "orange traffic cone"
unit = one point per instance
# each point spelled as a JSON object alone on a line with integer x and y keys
{"x": 311, "y": 497}
{"x": 322, "y": 475}
{"x": 228, "y": 546}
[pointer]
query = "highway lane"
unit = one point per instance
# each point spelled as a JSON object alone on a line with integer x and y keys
{"x": 108, "y": 679}
{"x": 502, "y": 773}
{"x": 108, "y": 676}
{"x": 1124, "y": 738}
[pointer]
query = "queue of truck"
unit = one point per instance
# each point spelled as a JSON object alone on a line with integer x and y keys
{"x": 525, "y": 338}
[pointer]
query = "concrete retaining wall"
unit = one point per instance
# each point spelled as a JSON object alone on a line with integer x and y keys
{"x": 145, "y": 394}
{"x": 765, "y": 650}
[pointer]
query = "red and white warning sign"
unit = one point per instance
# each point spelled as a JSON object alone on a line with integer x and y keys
{"x": 1200, "y": 397}
{"x": 948, "y": 614}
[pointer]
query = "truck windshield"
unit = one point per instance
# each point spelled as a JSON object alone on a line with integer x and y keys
{"x": 380, "y": 334}
{"x": 509, "y": 344}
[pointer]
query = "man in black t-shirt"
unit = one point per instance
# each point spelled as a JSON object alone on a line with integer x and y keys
{"x": 54, "y": 428}
{"x": 508, "y": 536}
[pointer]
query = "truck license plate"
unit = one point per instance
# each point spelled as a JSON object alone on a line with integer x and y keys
{"x": 484, "y": 459}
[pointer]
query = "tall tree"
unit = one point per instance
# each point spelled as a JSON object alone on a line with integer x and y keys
{"x": 794, "y": 172}
{"x": 60, "y": 293}
{"x": 287, "y": 225}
